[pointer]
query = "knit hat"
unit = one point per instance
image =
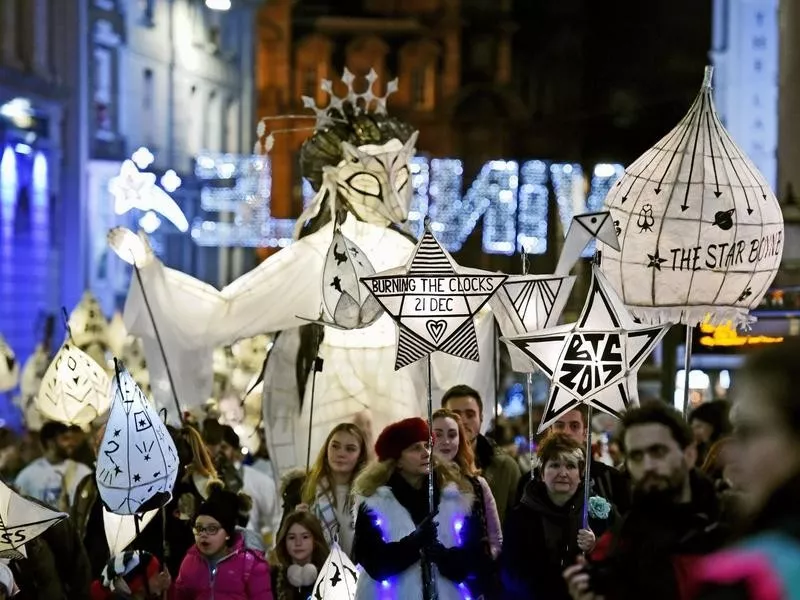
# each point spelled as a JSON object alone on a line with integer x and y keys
{"x": 399, "y": 436}
{"x": 224, "y": 506}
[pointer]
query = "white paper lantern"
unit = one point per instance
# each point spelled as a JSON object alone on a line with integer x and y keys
{"x": 9, "y": 367}
{"x": 338, "y": 577}
{"x": 529, "y": 303}
{"x": 347, "y": 303}
{"x": 88, "y": 327}
{"x": 121, "y": 529}
{"x": 30, "y": 382}
{"x": 74, "y": 388}
{"x": 21, "y": 521}
{"x": 117, "y": 334}
{"x": 595, "y": 360}
{"x": 700, "y": 230}
{"x": 433, "y": 300}
{"x": 137, "y": 463}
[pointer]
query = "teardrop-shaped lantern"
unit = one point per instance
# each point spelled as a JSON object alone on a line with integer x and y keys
{"x": 137, "y": 463}
{"x": 347, "y": 303}
{"x": 9, "y": 367}
{"x": 700, "y": 231}
{"x": 338, "y": 577}
{"x": 74, "y": 388}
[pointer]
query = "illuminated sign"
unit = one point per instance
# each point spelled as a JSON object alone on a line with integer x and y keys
{"x": 726, "y": 336}
{"x": 512, "y": 197}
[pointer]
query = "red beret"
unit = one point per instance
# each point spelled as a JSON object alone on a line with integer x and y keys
{"x": 399, "y": 436}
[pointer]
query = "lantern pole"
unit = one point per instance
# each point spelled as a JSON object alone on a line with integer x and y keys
{"x": 158, "y": 340}
{"x": 687, "y": 361}
{"x": 529, "y": 388}
{"x": 428, "y": 574}
{"x": 587, "y": 475}
{"x": 318, "y": 362}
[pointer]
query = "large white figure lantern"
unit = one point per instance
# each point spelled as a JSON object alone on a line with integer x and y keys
{"x": 137, "y": 463}
{"x": 701, "y": 233}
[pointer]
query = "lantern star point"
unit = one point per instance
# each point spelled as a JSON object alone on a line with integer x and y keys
{"x": 594, "y": 360}
{"x": 433, "y": 301}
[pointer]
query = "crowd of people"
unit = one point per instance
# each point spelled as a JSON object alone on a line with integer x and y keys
{"x": 705, "y": 509}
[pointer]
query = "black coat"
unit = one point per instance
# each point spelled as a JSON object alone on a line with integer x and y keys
{"x": 652, "y": 552}
{"x": 607, "y": 482}
{"x": 382, "y": 560}
{"x": 56, "y": 567}
{"x": 540, "y": 540}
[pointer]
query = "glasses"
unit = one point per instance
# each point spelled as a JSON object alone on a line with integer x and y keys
{"x": 210, "y": 529}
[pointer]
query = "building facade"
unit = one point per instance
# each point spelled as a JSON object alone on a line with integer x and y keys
{"x": 83, "y": 85}
{"x": 173, "y": 77}
{"x": 41, "y": 150}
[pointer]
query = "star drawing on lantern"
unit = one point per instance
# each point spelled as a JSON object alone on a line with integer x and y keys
{"x": 117, "y": 432}
{"x": 137, "y": 477}
{"x": 433, "y": 300}
{"x": 595, "y": 360}
{"x": 337, "y": 283}
{"x": 655, "y": 260}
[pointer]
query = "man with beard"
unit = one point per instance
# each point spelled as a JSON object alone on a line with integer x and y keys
{"x": 671, "y": 523}
{"x": 53, "y": 478}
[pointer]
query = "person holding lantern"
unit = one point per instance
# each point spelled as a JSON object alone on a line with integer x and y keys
{"x": 400, "y": 544}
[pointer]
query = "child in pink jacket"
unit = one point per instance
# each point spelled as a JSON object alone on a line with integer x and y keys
{"x": 219, "y": 566}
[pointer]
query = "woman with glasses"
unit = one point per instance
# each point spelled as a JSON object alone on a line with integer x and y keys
{"x": 219, "y": 566}
{"x": 765, "y": 455}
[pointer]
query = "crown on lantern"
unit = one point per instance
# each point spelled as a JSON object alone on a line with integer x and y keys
{"x": 336, "y": 111}
{"x": 359, "y": 103}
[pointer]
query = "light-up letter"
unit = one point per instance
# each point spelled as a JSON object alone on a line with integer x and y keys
{"x": 532, "y": 207}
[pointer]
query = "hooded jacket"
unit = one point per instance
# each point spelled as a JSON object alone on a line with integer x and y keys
{"x": 652, "y": 552}
{"x": 241, "y": 575}
{"x": 540, "y": 541}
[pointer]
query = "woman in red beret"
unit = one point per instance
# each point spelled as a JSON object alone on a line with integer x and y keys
{"x": 398, "y": 542}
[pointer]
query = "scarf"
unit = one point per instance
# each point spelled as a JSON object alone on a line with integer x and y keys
{"x": 324, "y": 509}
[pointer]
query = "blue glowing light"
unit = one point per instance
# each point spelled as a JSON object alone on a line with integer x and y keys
{"x": 512, "y": 198}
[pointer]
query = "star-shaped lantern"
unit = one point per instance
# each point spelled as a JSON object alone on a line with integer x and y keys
{"x": 433, "y": 300}
{"x": 593, "y": 361}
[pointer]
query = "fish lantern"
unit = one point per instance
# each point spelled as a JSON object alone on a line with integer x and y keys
{"x": 9, "y": 367}
{"x": 74, "y": 389}
{"x": 137, "y": 463}
{"x": 700, "y": 231}
{"x": 338, "y": 577}
{"x": 347, "y": 303}
{"x": 21, "y": 521}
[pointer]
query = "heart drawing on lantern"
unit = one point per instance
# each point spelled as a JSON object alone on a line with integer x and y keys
{"x": 436, "y": 329}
